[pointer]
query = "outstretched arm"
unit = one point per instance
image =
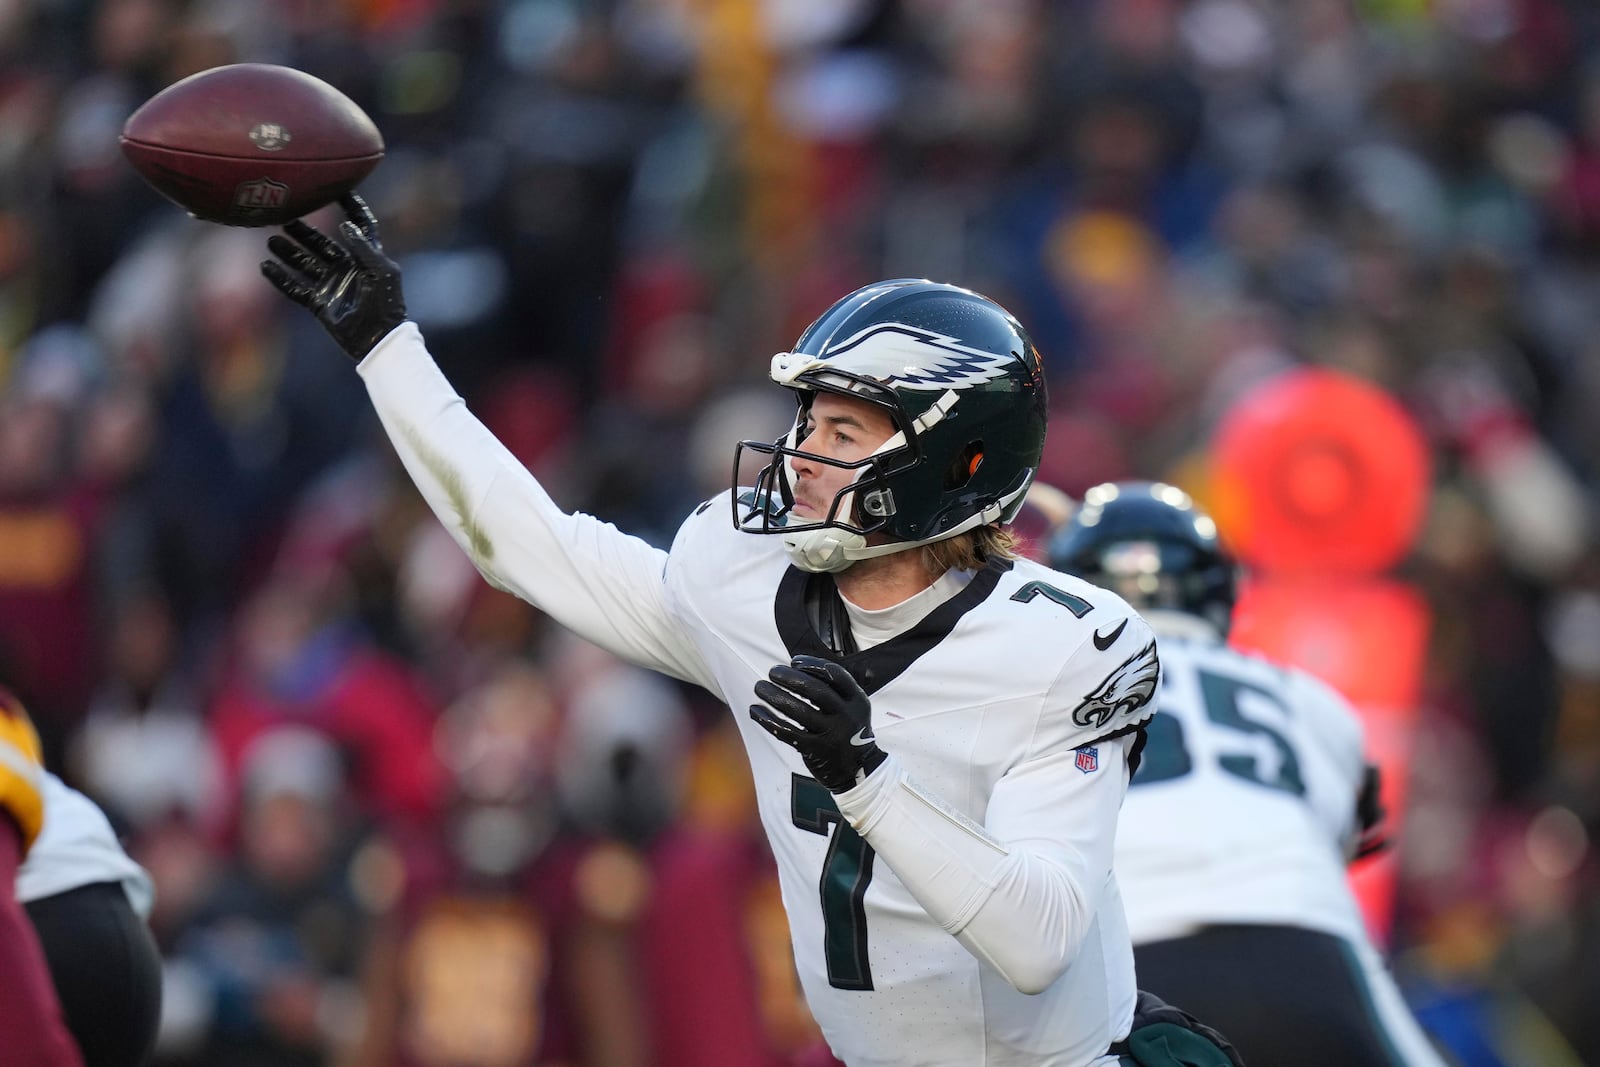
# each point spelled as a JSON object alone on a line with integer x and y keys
{"x": 597, "y": 581}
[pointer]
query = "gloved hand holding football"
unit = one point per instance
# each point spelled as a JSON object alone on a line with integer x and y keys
{"x": 348, "y": 284}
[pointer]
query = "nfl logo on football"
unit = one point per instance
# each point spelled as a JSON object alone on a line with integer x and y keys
{"x": 260, "y": 195}
{"x": 1088, "y": 759}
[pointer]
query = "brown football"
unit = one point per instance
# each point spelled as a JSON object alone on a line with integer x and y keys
{"x": 251, "y": 144}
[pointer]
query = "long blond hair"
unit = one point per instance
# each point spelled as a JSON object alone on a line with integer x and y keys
{"x": 969, "y": 551}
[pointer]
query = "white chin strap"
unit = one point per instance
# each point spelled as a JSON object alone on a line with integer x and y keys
{"x": 828, "y": 549}
{"x": 825, "y": 551}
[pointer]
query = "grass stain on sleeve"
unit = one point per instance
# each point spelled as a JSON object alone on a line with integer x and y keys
{"x": 478, "y": 544}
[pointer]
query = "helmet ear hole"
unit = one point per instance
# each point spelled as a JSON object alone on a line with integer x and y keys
{"x": 964, "y": 466}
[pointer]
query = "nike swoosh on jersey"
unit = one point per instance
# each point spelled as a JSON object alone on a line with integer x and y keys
{"x": 1103, "y": 643}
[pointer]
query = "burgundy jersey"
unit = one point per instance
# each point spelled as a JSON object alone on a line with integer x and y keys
{"x": 474, "y": 965}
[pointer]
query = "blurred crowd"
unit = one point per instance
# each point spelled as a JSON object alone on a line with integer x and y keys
{"x": 388, "y": 808}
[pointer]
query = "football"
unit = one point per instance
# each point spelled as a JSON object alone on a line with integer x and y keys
{"x": 251, "y": 144}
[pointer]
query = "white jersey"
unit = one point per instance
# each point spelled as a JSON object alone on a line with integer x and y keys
{"x": 1244, "y": 801}
{"x": 77, "y": 847}
{"x": 1243, "y": 811}
{"x": 957, "y": 908}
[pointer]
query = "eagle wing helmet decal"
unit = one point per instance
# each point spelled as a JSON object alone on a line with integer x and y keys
{"x": 902, "y": 356}
{"x": 1125, "y": 690}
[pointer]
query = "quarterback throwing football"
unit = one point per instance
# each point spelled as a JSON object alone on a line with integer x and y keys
{"x": 943, "y": 826}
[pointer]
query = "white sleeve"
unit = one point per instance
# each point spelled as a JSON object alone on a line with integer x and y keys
{"x": 1335, "y": 727}
{"x": 1021, "y": 891}
{"x": 598, "y": 582}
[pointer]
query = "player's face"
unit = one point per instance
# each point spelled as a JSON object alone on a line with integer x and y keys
{"x": 841, "y": 428}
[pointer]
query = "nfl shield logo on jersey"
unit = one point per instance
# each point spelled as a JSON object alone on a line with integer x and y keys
{"x": 1088, "y": 759}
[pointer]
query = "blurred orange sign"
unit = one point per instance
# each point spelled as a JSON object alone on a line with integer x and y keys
{"x": 1319, "y": 472}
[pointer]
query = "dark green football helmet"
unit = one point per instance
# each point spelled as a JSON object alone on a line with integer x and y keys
{"x": 964, "y": 387}
{"x": 1150, "y": 544}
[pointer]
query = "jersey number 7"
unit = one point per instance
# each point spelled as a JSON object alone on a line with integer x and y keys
{"x": 846, "y": 873}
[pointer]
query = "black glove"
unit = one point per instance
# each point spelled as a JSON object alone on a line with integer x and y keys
{"x": 350, "y": 286}
{"x": 1372, "y": 837}
{"x": 824, "y": 714}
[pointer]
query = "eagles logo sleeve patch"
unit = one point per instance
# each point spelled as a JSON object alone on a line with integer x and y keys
{"x": 1125, "y": 690}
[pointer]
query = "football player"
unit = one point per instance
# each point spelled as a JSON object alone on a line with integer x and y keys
{"x": 1252, "y": 796}
{"x": 30, "y": 1016}
{"x": 940, "y": 732}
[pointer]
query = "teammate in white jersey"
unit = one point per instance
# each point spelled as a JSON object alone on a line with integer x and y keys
{"x": 1253, "y": 794}
{"x": 943, "y": 826}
